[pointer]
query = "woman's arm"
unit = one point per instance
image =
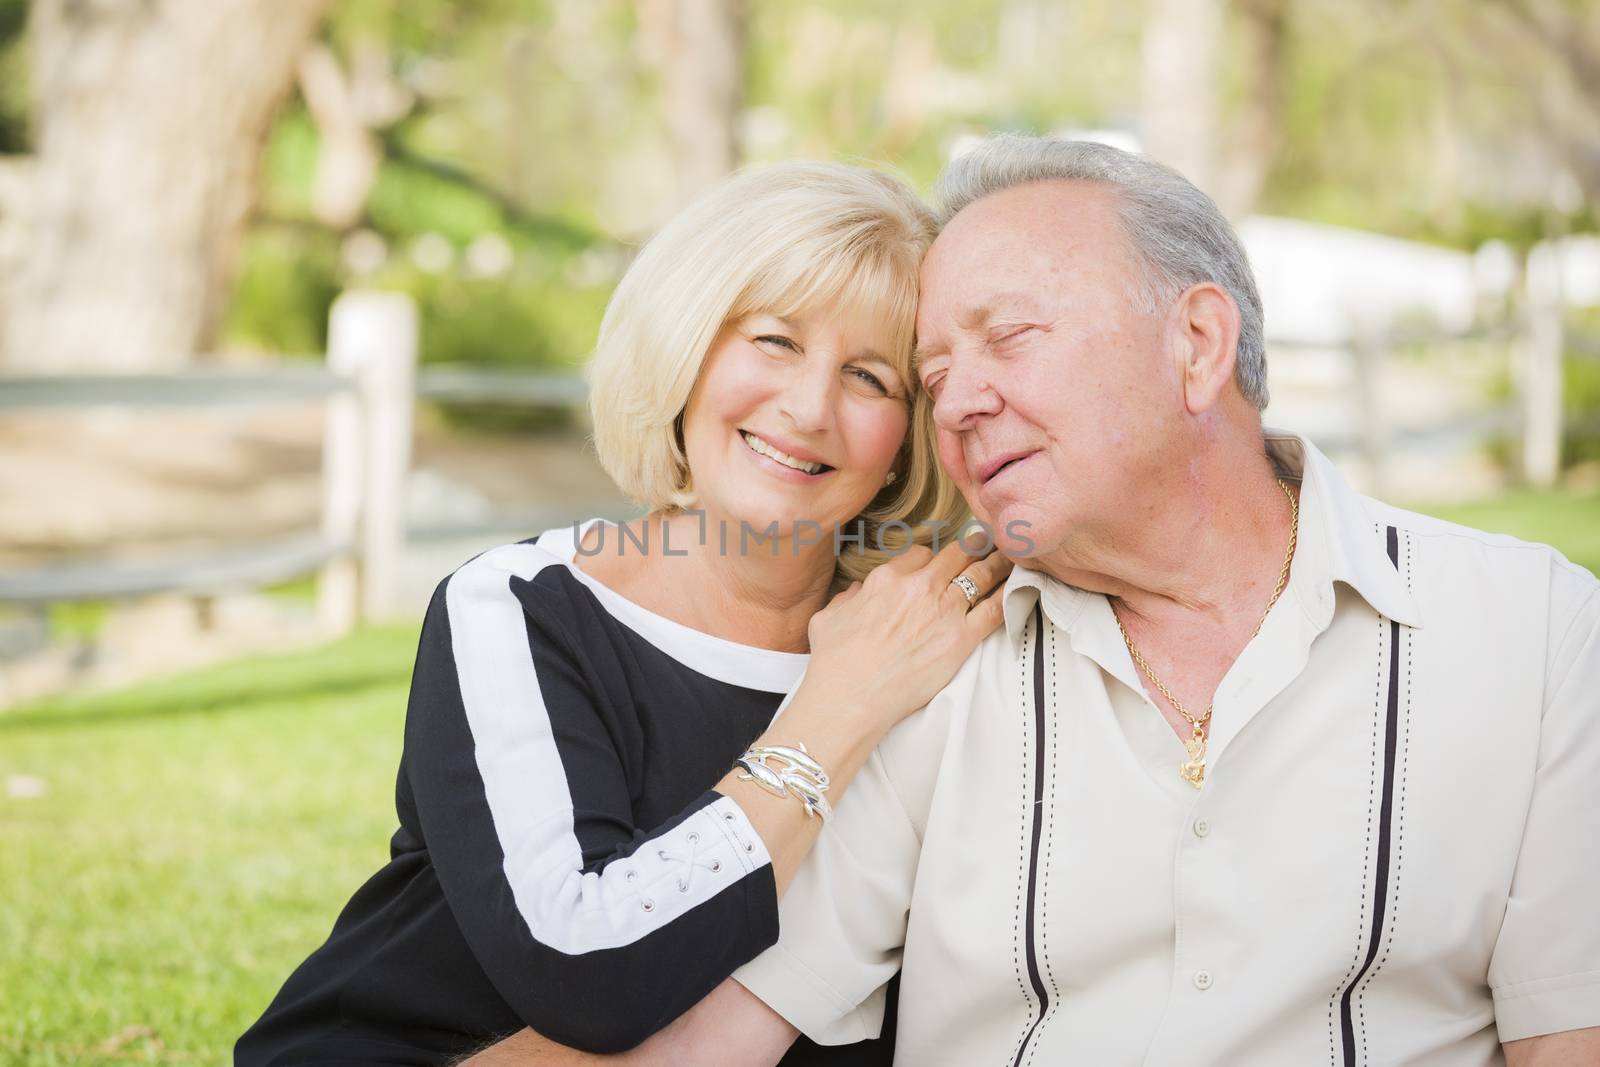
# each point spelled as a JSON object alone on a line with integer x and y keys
{"x": 595, "y": 931}
{"x": 592, "y": 929}
{"x": 881, "y": 650}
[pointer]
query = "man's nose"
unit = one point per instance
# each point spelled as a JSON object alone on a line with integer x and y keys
{"x": 965, "y": 394}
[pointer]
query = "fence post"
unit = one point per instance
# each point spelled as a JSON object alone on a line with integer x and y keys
{"x": 1542, "y": 383}
{"x": 372, "y": 338}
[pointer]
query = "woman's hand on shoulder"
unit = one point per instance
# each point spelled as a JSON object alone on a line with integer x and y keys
{"x": 888, "y": 644}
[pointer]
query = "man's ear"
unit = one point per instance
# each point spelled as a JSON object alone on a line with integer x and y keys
{"x": 1205, "y": 324}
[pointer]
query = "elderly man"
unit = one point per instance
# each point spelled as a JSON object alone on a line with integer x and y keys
{"x": 1258, "y": 771}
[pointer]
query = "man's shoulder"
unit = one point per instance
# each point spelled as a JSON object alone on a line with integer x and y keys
{"x": 1462, "y": 570}
{"x": 1470, "y": 547}
{"x": 914, "y": 751}
{"x": 1449, "y": 533}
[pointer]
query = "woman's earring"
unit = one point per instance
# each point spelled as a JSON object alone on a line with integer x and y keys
{"x": 890, "y": 480}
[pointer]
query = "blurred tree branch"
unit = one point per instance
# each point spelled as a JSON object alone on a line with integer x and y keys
{"x": 347, "y": 109}
{"x": 1576, "y": 46}
{"x": 537, "y": 225}
{"x": 1562, "y": 35}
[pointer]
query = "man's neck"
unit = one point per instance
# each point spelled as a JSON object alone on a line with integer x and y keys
{"x": 1191, "y": 579}
{"x": 1208, "y": 553}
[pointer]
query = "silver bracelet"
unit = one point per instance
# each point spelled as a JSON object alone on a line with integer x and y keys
{"x": 796, "y": 774}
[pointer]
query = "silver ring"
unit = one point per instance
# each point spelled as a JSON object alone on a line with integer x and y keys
{"x": 968, "y": 587}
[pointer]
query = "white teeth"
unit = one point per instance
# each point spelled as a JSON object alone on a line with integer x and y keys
{"x": 758, "y": 445}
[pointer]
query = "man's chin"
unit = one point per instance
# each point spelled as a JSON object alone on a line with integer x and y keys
{"x": 1011, "y": 530}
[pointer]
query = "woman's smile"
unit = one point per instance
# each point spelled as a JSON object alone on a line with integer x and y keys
{"x": 784, "y": 463}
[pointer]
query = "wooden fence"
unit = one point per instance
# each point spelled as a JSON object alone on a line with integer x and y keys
{"x": 370, "y": 384}
{"x": 368, "y": 388}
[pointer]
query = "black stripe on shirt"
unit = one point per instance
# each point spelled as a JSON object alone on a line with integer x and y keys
{"x": 1038, "y": 826}
{"x": 1380, "y": 891}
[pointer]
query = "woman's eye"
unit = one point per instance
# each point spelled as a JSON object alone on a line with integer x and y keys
{"x": 870, "y": 379}
{"x": 776, "y": 339}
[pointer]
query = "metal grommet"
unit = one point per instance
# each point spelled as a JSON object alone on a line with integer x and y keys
{"x": 716, "y": 866}
{"x": 631, "y": 876}
{"x": 648, "y": 905}
{"x": 728, "y": 815}
{"x": 749, "y": 848}
{"x": 693, "y": 839}
{"x": 660, "y": 854}
{"x": 683, "y": 887}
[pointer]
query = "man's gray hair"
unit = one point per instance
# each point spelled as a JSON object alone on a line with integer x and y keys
{"x": 1179, "y": 233}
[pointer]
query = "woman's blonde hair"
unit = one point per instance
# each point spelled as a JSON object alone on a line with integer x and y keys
{"x": 784, "y": 239}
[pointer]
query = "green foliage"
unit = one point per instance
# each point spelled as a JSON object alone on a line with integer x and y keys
{"x": 543, "y": 121}
{"x": 13, "y": 18}
{"x": 287, "y": 167}
{"x": 1581, "y": 394}
{"x": 14, "y": 120}
{"x": 291, "y": 269}
{"x": 288, "y": 280}
{"x": 406, "y": 201}
{"x": 485, "y": 322}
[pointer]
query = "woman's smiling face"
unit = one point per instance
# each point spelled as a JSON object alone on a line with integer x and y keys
{"x": 795, "y": 420}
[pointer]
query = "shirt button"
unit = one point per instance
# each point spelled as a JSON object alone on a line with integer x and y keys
{"x": 1202, "y": 980}
{"x": 1201, "y": 828}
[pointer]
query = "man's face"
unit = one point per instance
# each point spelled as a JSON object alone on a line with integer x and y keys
{"x": 1054, "y": 397}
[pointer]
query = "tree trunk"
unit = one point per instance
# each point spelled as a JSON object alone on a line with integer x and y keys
{"x": 700, "y": 46}
{"x": 1179, "y": 110}
{"x": 150, "y": 119}
{"x": 1256, "y": 129}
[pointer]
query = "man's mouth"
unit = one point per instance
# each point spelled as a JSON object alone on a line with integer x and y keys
{"x": 989, "y": 469}
{"x": 763, "y": 447}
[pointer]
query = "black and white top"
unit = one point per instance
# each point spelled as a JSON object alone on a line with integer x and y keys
{"x": 561, "y": 862}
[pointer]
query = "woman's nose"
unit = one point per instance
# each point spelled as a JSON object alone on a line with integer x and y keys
{"x": 807, "y": 401}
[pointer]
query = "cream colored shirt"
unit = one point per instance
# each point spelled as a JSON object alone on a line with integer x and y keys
{"x": 1395, "y": 858}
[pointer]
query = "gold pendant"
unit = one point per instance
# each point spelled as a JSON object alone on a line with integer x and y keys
{"x": 1194, "y": 769}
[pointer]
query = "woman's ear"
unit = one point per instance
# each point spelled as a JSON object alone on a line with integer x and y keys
{"x": 1205, "y": 323}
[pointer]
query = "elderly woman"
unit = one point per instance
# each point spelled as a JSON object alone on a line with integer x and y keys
{"x": 578, "y": 852}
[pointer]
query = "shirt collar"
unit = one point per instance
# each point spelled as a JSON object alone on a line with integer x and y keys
{"x": 1341, "y": 534}
{"x": 1339, "y": 541}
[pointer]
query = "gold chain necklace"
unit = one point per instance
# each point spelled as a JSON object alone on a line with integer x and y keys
{"x": 1193, "y": 769}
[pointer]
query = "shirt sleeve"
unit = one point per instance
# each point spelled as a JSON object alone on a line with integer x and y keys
{"x": 843, "y": 919}
{"x": 1545, "y": 972}
{"x": 595, "y": 931}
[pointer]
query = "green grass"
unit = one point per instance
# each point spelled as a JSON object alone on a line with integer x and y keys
{"x": 196, "y": 839}
{"x": 1568, "y": 520}
{"x": 198, "y": 836}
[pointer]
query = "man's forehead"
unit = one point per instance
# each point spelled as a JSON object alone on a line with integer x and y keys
{"x": 1014, "y": 248}
{"x": 1038, "y": 218}
{"x": 996, "y": 274}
